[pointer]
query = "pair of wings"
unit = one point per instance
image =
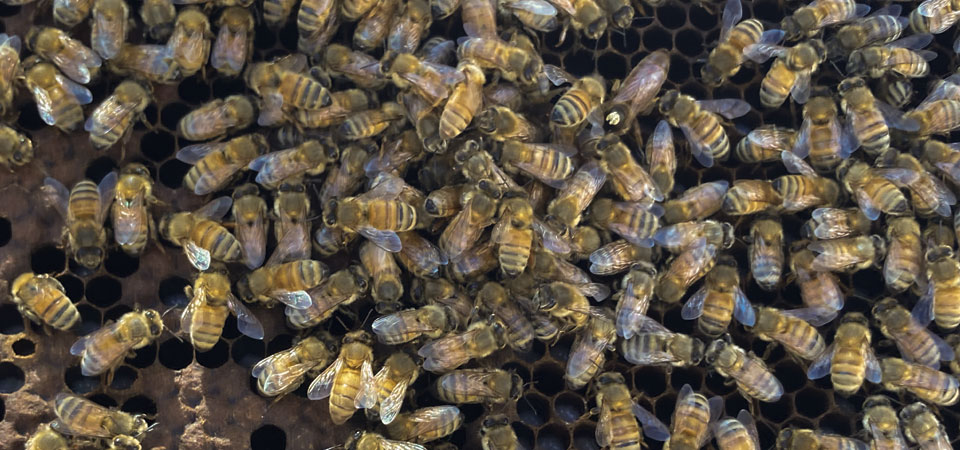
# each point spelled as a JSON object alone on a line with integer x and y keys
{"x": 230, "y": 50}
{"x": 833, "y": 255}
{"x": 744, "y": 420}
{"x": 110, "y": 115}
{"x": 689, "y": 264}
{"x": 918, "y": 326}
{"x": 821, "y": 367}
{"x": 615, "y": 256}
{"x": 461, "y": 234}
{"x": 277, "y": 381}
{"x": 216, "y": 173}
{"x": 833, "y": 223}
{"x": 634, "y": 234}
{"x": 729, "y": 108}
{"x": 742, "y": 308}
{"x": 584, "y": 184}
{"x": 198, "y": 256}
{"x": 93, "y": 409}
{"x": 109, "y": 35}
{"x": 586, "y": 350}
{"x": 323, "y": 385}
{"x": 247, "y": 323}
{"x": 252, "y": 234}
{"x": 75, "y": 60}
{"x": 842, "y": 141}
{"x": 448, "y": 352}
{"x": 400, "y": 323}
{"x": 632, "y": 309}
{"x": 678, "y": 237}
{"x": 923, "y": 185}
{"x": 108, "y": 354}
{"x": 653, "y": 428}
{"x": 58, "y": 196}
{"x": 129, "y": 219}
{"x": 46, "y": 106}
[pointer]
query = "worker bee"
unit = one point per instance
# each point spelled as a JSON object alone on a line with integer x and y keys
{"x": 16, "y": 149}
{"x": 873, "y": 192}
{"x": 917, "y": 344}
{"x": 250, "y": 216}
{"x": 216, "y": 163}
{"x": 464, "y": 103}
{"x": 276, "y": 12}
{"x": 372, "y": 29}
{"x": 487, "y": 386}
{"x": 765, "y": 144}
{"x": 615, "y": 257}
{"x": 903, "y": 57}
{"x": 407, "y": 325}
{"x": 104, "y": 349}
{"x": 820, "y": 291}
{"x": 83, "y": 210}
{"x": 880, "y": 420}
{"x": 848, "y": 254}
{"x": 930, "y": 385}
{"x": 345, "y": 179}
{"x": 690, "y": 425}
{"x": 58, "y": 98}
{"x": 617, "y": 426}
{"x": 821, "y": 136}
{"x": 632, "y": 221}
{"x": 200, "y": 234}
{"x": 587, "y": 353}
{"x": 377, "y": 214}
{"x": 654, "y": 344}
{"x": 576, "y": 194}
{"x": 921, "y": 427}
{"x": 342, "y": 288}
{"x": 113, "y": 119}
{"x": 210, "y": 303}
{"x": 546, "y": 266}
{"x": 940, "y": 300}
{"x": 739, "y": 433}
{"x": 753, "y": 378}
{"x": 904, "y": 253}
{"x": 456, "y": 349}
{"x": 43, "y": 300}
{"x": 496, "y": 433}
{"x": 630, "y": 180}
{"x": 291, "y": 209}
{"x": 361, "y": 68}
{"x": 803, "y": 188}
{"x": 234, "y": 43}
{"x": 371, "y": 122}
{"x": 634, "y": 298}
{"x": 316, "y": 22}
{"x": 158, "y": 17}
{"x": 662, "y": 157}
{"x": 77, "y": 416}
{"x": 789, "y": 74}
{"x": 366, "y": 440}
{"x": 539, "y": 15}
{"x": 836, "y": 223}
{"x": 688, "y": 267}
{"x": 790, "y": 329}
{"x": 479, "y": 18}
{"x": 549, "y": 163}
{"x": 935, "y": 117}
{"x": 502, "y": 124}
{"x": 310, "y": 157}
{"x": 11, "y": 71}
{"x": 850, "y": 359}
{"x": 473, "y": 263}
{"x": 426, "y": 424}
{"x": 71, "y": 12}
{"x": 490, "y": 52}
{"x": 190, "y": 40}
{"x": 150, "y": 62}
{"x": 937, "y": 234}
{"x": 132, "y": 223}
{"x": 109, "y": 27}
{"x": 385, "y": 274}
{"x": 419, "y": 256}
{"x": 398, "y": 372}
{"x": 766, "y": 252}
{"x": 698, "y": 202}
{"x": 45, "y": 438}
{"x": 514, "y": 235}
{"x": 281, "y": 84}
{"x": 881, "y": 27}
{"x": 217, "y": 118}
{"x": 806, "y": 21}
{"x": 719, "y": 300}
{"x": 928, "y": 194}
{"x": 699, "y": 122}
{"x": 735, "y": 36}
{"x": 286, "y": 277}
{"x": 433, "y": 82}
{"x": 867, "y": 117}
{"x": 566, "y": 302}
{"x": 518, "y": 332}
{"x": 580, "y": 102}
{"x": 750, "y": 197}
{"x": 799, "y": 439}
{"x": 465, "y": 228}
{"x": 282, "y": 372}
{"x": 413, "y": 23}
{"x": 349, "y": 381}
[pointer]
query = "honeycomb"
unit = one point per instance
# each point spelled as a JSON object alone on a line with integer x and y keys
{"x": 209, "y": 400}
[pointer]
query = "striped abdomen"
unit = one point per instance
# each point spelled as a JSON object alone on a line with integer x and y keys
{"x": 78, "y": 413}
{"x": 848, "y": 366}
{"x": 777, "y": 84}
{"x": 907, "y": 63}
{"x": 84, "y": 203}
{"x": 313, "y": 15}
{"x": 103, "y": 135}
{"x": 391, "y": 215}
{"x": 572, "y": 108}
{"x": 707, "y": 129}
{"x": 920, "y": 347}
{"x": 942, "y": 389}
{"x": 103, "y": 353}
{"x": 946, "y": 306}
{"x": 303, "y": 92}
{"x": 514, "y": 250}
{"x": 881, "y": 29}
{"x": 902, "y": 265}
{"x": 142, "y": 233}
{"x": 766, "y": 264}
{"x": 935, "y": 25}
{"x": 824, "y": 144}
{"x": 941, "y": 116}
{"x": 690, "y": 420}
{"x": 800, "y": 338}
{"x": 54, "y": 308}
{"x": 346, "y": 386}
{"x": 755, "y": 380}
{"x": 886, "y": 195}
{"x": 731, "y": 434}
{"x": 275, "y": 12}
{"x": 298, "y": 275}
{"x": 213, "y": 237}
{"x": 624, "y": 431}
{"x": 717, "y": 313}
{"x": 65, "y": 110}
{"x": 207, "y": 325}
{"x": 208, "y": 167}
{"x": 871, "y": 130}
{"x": 71, "y": 12}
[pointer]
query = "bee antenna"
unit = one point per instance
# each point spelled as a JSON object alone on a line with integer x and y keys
{"x": 841, "y": 72}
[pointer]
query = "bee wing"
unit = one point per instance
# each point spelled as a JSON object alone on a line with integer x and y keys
{"x": 652, "y": 357}
{"x": 814, "y": 316}
{"x": 873, "y": 373}
{"x": 296, "y": 62}
{"x": 386, "y": 186}
{"x": 700, "y": 151}
{"x": 795, "y": 164}
{"x": 80, "y": 344}
{"x": 247, "y": 323}
{"x": 192, "y": 154}
{"x": 653, "y": 428}
{"x": 109, "y": 115}
{"x": 186, "y": 318}
{"x": 923, "y": 311}
{"x": 288, "y": 246}
{"x": 276, "y": 166}
{"x": 746, "y": 419}
{"x": 821, "y": 366}
{"x": 800, "y": 144}
{"x": 946, "y": 351}
{"x": 387, "y": 444}
{"x": 367, "y": 397}
{"x": 385, "y": 239}
{"x": 128, "y": 220}
{"x": 895, "y": 118}
{"x": 231, "y": 50}
{"x": 934, "y": 8}
{"x": 91, "y": 428}
{"x": 762, "y": 51}
{"x": 743, "y": 310}
{"x": 271, "y": 109}
{"x": 732, "y": 12}
{"x": 582, "y": 356}
{"x": 44, "y": 105}
{"x": 198, "y": 256}
{"x": 109, "y": 37}
{"x": 106, "y": 188}
{"x": 321, "y": 386}
{"x": 598, "y": 291}
{"x": 215, "y": 209}
{"x": 79, "y": 92}
{"x": 693, "y": 308}
{"x": 75, "y": 60}
{"x": 57, "y": 195}
{"x": 10, "y": 41}
{"x": 550, "y": 238}
{"x": 262, "y": 365}
{"x": 293, "y": 299}
{"x": 730, "y": 108}
{"x": 889, "y": 10}
{"x": 674, "y": 235}
{"x": 801, "y": 87}
{"x": 867, "y": 205}
{"x": 391, "y": 405}
{"x": 253, "y": 236}
{"x": 912, "y": 42}
{"x": 603, "y": 433}
{"x": 282, "y": 378}
{"x": 557, "y": 76}
{"x": 444, "y": 353}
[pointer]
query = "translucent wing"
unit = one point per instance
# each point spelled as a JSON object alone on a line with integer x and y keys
{"x": 44, "y": 105}
{"x": 912, "y": 42}
{"x": 186, "y": 318}
{"x": 732, "y": 12}
{"x": 801, "y": 87}
{"x": 283, "y": 379}
{"x": 598, "y": 291}
{"x": 651, "y": 357}
{"x": 386, "y": 186}
{"x": 868, "y": 207}
{"x": 367, "y": 397}
{"x": 271, "y": 109}
{"x": 79, "y": 92}
{"x": 262, "y": 365}
{"x": 228, "y": 52}
{"x": 128, "y": 220}
{"x": 800, "y": 144}
{"x": 821, "y": 367}
{"x": 87, "y": 428}
{"x": 653, "y": 428}
{"x": 391, "y": 405}
{"x": 895, "y": 118}
{"x": 385, "y": 239}
{"x": 321, "y": 386}
{"x": 701, "y": 152}
{"x": 603, "y": 433}
{"x": 109, "y": 35}
{"x": 443, "y": 353}
{"x": 731, "y": 108}
{"x": 873, "y": 373}
{"x": 386, "y": 444}
{"x": 743, "y": 310}
{"x": 814, "y": 316}
{"x": 216, "y": 209}
{"x": 247, "y": 323}
{"x": 198, "y": 256}
{"x": 288, "y": 246}
{"x": 694, "y": 306}
{"x": 795, "y": 164}
{"x": 933, "y": 8}
{"x": 56, "y": 195}
{"x": 762, "y": 51}
{"x": 253, "y": 237}
{"x": 293, "y": 299}
{"x": 192, "y": 154}
{"x": 746, "y": 419}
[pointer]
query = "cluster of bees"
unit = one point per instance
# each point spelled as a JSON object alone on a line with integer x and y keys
{"x": 525, "y": 175}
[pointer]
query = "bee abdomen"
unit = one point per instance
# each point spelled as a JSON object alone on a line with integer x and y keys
{"x": 571, "y": 109}
{"x": 59, "y": 312}
{"x": 776, "y": 85}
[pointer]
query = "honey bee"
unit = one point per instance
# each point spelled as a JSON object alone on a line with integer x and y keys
{"x": 587, "y": 353}
{"x": 398, "y": 372}
{"x": 637, "y": 92}
{"x": 921, "y": 427}
{"x": 291, "y": 209}
{"x": 739, "y": 433}
{"x": 835, "y": 223}
{"x": 426, "y": 424}
{"x": 766, "y": 252}
{"x": 456, "y": 349}
{"x": 419, "y": 256}
{"x": 410, "y": 28}
{"x": 539, "y": 15}
{"x": 359, "y": 67}
{"x": 699, "y": 202}
{"x": 345, "y": 179}
{"x": 149, "y": 62}
{"x": 190, "y": 40}
{"x": 580, "y": 102}
{"x": 850, "y": 359}
{"x": 10, "y": 62}
{"x": 310, "y": 157}
{"x": 688, "y": 267}
{"x": 565, "y": 302}
{"x": 104, "y": 349}
{"x": 113, "y": 119}
{"x": 502, "y": 124}
{"x": 276, "y": 12}
{"x": 465, "y": 228}
{"x": 551, "y": 164}
{"x": 479, "y": 18}
{"x": 654, "y": 344}
{"x": 77, "y": 416}
{"x": 874, "y": 193}
{"x": 369, "y": 123}
{"x": 662, "y": 157}
{"x": 342, "y": 288}
{"x": 881, "y": 27}
{"x": 473, "y": 263}
{"x": 203, "y": 239}
{"x": 753, "y": 378}
{"x": 750, "y": 197}
{"x": 317, "y": 21}
{"x": 904, "y": 254}
{"x": 217, "y": 118}
{"x": 385, "y": 274}
{"x": 83, "y": 210}
{"x": 432, "y": 82}
{"x": 216, "y": 163}
{"x": 803, "y": 188}
{"x": 45, "y": 438}
{"x": 820, "y": 291}
{"x": 373, "y": 27}
{"x": 71, "y": 12}
{"x": 234, "y": 43}
{"x": 617, "y": 426}
{"x": 790, "y": 329}
{"x": 281, "y": 84}
{"x": 514, "y": 235}
{"x": 210, "y": 303}
{"x": 549, "y": 267}
{"x": 514, "y": 63}
{"x": 940, "y": 300}
{"x": 929, "y": 195}
{"x": 867, "y": 117}
{"x": 286, "y": 282}
{"x": 719, "y": 300}
{"x": 43, "y": 300}
{"x": 496, "y": 433}
{"x": 464, "y": 103}
{"x": 799, "y": 439}
{"x": 790, "y": 73}
{"x": 518, "y": 331}
{"x": 407, "y": 325}
{"x": 880, "y": 420}
{"x": 735, "y": 36}
{"x": 250, "y": 216}
{"x": 700, "y": 125}
{"x": 282, "y": 372}
{"x": 486, "y": 386}
{"x": 902, "y": 57}
{"x": 349, "y": 381}
{"x": 132, "y": 223}
{"x": 630, "y": 180}
{"x": 577, "y": 194}
{"x": 765, "y": 144}
{"x": 58, "y": 98}
{"x": 690, "y": 426}
{"x": 377, "y": 214}
{"x": 848, "y": 254}
{"x": 365, "y": 440}
{"x": 16, "y": 149}
{"x": 634, "y": 298}
{"x": 616, "y": 257}
{"x": 821, "y": 136}
{"x": 808, "y": 20}
{"x": 109, "y": 27}
{"x": 633, "y": 222}
{"x": 158, "y": 17}
{"x": 930, "y": 385}
{"x": 935, "y": 117}
{"x": 916, "y": 343}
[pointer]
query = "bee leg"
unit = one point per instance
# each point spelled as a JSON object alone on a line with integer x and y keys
{"x": 767, "y": 351}
{"x": 109, "y": 376}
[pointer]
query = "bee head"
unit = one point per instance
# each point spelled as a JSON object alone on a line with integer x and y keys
{"x": 89, "y": 257}
{"x": 711, "y": 75}
{"x": 669, "y": 101}
{"x": 330, "y": 213}
{"x": 714, "y": 350}
{"x": 492, "y": 421}
{"x": 154, "y": 322}
{"x": 124, "y": 442}
{"x": 851, "y": 37}
{"x": 360, "y": 277}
